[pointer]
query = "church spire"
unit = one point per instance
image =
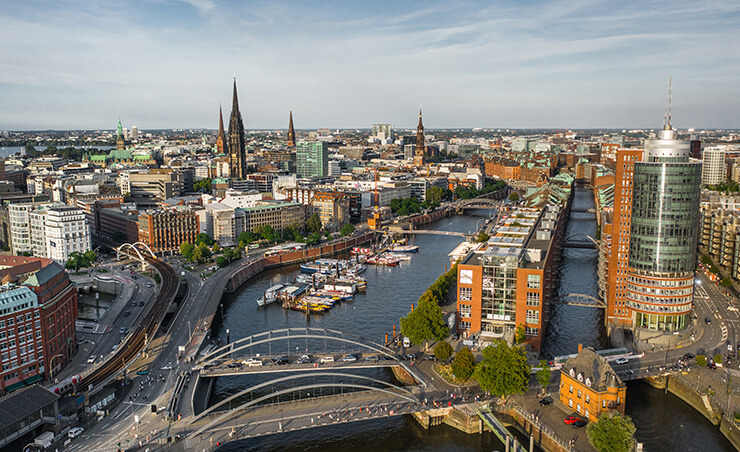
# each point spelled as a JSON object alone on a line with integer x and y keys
{"x": 234, "y": 100}
{"x": 420, "y": 152}
{"x": 420, "y": 126}
{"x": 221, "y": 142}
{"x": 291, "y": 132}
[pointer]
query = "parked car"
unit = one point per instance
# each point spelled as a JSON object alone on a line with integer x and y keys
{"x": 621, "y": 361}
{"x": 127, "y": 313}
{"x": 327, "y": 359}
{"x": 349, "y": 358}
{"x": 571, "y": 419}
{"x": 578, "y": 423}
{"x": 141, "y": 303}
{"x": 546, "y": 401}
{"x": 123, "y": 330}
{"x": 91, "y": 359}
{"x": 75, "y": 432}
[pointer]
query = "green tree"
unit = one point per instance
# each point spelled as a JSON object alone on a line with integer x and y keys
{"x": 482, "y": 237}
{"x": 346, "y": 230}
{"x": 216, "y": 248}
{"x": 503, "y": 370}
{"x": 204, "y": 238}
{"x": 186, "y": 250}
{"x": 705, "y": 259}
{"x": 611, "y": 434}
{"x": 425, "y": 323}
{"x": 701, "y": 360}
{"x": 514, "y": 196}
{"x": 313, "y": 224}
{"x": 313, "y": 238}
{"x": 718, "y": 359}
{"x": 543, "y": 375}
{"x": 726, "y": 282}
{"x": 203, "y": 184}
{"x": 463, "y": 366}
{"x": 443, "y": 350}
{"x": 222, "y": 262}
{"x": 268, "y": 233}
{"x": 521, "y": 334}
{"x": 247, "y": 237}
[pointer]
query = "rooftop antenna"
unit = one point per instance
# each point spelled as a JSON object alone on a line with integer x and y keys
{"x": 667, "y": 116}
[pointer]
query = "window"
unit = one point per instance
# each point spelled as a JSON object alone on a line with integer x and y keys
{"x": 533, "y": 316}
{"x": 570, "y": 403}
{"x": 571, "y": 389}
{"x": 533, "y": 281}
{"x": 579, "y": 393}
{"x": 465, "y": 310}
{"x": 466, "y": 293}
{"x": 588, "y": 398}
{"x": 578, "y": 408}
{"x": 466, "y": 276}
{"x": 533, "y": 298}
{"x": 464, "y": 325}
{"x": 587, "y": 412}
{"x": 532, "y": 331}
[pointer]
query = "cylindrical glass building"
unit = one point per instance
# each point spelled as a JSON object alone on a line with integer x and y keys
{"x": 663, "y": 236}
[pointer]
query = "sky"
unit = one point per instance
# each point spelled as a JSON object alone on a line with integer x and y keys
{"x": 80, "y": 64}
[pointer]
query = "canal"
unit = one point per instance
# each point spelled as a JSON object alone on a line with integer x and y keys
{"x": 390, "y": 293}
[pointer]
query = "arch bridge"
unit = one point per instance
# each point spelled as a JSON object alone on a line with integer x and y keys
{"x": 292, "y": 341}
{"x": 591, "y": 243}
{"x": 134, "y": 250}
{"x": 579, "y": 299}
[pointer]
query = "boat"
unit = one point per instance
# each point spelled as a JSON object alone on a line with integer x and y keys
{"x": 400, "y": 256}
{"x": 404, "y": 248}
{"x": 383, "y": 260}
{"x": 270, "y": 295}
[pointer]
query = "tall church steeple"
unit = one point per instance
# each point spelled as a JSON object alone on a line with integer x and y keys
{"x": 420, "y": 152}
{"x": 221, "y": 144}
{"x": 291, "y": 132}
{"x": 237, "y": 151}
{"x": 120, "y": 139}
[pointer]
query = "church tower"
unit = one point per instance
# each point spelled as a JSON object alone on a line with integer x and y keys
{"x": 420, "y": 151}
{"x": 120, "y": 139}
{"x": 291, "y": 132}
{"x": 221, "y": 143}
{"x": 237, "y": 151}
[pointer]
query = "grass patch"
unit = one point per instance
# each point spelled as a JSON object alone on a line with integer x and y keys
{"x": 445, "y": 371}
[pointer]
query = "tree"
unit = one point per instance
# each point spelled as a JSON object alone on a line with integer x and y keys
{"x": 463, "y": 366}
{"x": 268, "y": 233}
{"x": 204, "y": 238}
{"x": 543, "y": 375}
{"x": 701, "y": 360}
{"x": 521, "y": 334}
{"x": 706, "y": 260}
{"x": 425, "y": 323}
{"x": 514, "y": 196}
{"x": 482, "y": 237}
{"x": 186, "y": 250}
{"x": 313, "y": 224}
{"x": 503, "y": 370}
{"x": 313, "y": 238}
{"x": 247, "y": 237}
{"x": 612, "y": 434}
{"x": 718, "y": 359}
{"x": 203, "y": 184}
{"x": 347, "y": 229}
{"x": 216, "y": 248}
{"x": 443, "y": 350}
{"x": 726, "y": 282}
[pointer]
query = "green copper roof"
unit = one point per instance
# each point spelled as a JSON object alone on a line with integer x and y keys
{"x": 122, "y": 154}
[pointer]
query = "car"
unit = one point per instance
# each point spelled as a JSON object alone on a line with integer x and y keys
{"x": 252, "y": 362}
{"x": 349, "y": 358}
{"x": 708, "y": 320}
{"x": 430, "y": 358}
{"x": 141, "y": 303}
{"x": 326, "y": 359}
{"x": 711, "y": 365}
{"x": 233, "y": 365}
{"x": 372, "y": 358}
{"x": 546, "y": 401}
{"x": 75, "y": 432}
{"x": 91, "y": 359}
{"x": 167, "y": 366}
{"x": 305, "y": 359}
{"x": 621, "y": 361}
{"x": 127, "y": 313}
{"x": 571, "y": 419}
{"x": 133, "y": 304}
{"x": 123, "y": 330}
{"x": 149, "y": 284}
{"x": 578, "y": 423}
{"x": 689, "y": 356}
{"x": 279, "y": 360}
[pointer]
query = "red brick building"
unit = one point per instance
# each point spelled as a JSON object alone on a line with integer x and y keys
{"x": 38, "y": 309}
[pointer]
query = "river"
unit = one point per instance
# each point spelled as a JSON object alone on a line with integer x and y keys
{"x": 390, "y": 293}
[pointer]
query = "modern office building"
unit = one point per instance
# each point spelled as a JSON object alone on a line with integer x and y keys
{"x": 713, "y": 168}
{"x": 312, "y": 159}
{"x": 383, "y": 131}
{"x": 50, "y": 230}
{"x": 663, "y": 234}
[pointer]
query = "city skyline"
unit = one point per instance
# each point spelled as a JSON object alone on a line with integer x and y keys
{"x": 554, "y": 65}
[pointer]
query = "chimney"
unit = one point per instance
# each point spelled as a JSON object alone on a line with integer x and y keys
{"x": 580, "y": 347}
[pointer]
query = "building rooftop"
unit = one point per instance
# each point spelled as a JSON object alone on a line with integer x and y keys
{"x": 593, "y": 370}
{"x": 23, "y": 403}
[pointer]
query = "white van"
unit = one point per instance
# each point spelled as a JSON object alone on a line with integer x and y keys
{"x": 327, "y": 359}
{"x": 406, "y": 342}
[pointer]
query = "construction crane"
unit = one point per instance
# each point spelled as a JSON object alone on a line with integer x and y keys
{"x": 374, "y": 221}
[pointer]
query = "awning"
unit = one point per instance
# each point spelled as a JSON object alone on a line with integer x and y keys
{"x": 14, "y": 386}
{"x": 34, "y": 379}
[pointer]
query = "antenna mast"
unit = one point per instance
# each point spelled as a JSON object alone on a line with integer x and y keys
{"x": 667, "y": 116}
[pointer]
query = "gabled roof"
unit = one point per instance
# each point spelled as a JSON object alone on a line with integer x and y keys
{"x": 593, "y": 370}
